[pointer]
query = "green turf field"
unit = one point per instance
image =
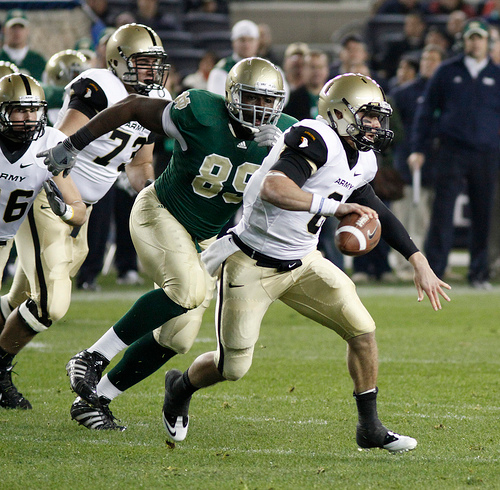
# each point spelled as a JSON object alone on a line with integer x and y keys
{"x": 290, "y": 423}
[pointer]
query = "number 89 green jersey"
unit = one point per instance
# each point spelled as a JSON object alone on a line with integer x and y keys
{"x": 202, "y": 187}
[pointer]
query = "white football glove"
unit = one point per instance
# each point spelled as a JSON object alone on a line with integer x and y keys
{"x": 268, "y": 135}
{"x": 56, "y": 201}
{"x": 60, "y": 158}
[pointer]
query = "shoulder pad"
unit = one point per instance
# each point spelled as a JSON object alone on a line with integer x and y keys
{"x": 90, "y": 93}
{"x": 204, "y": 106}
{"x": 308, "y": 143}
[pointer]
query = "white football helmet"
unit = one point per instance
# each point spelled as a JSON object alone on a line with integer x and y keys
{"x": 258, "y": 76}
{"x": 349, "y": 95}
{"x": 135, "y": 41}
{"x": 22, "y": 91}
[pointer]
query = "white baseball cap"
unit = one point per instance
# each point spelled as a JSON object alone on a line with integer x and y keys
{"x": 244, "y": 28}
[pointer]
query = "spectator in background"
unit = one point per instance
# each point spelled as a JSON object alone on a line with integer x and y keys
{"x": 352, "y": 53}
{"x": 245, "y": 42}
{"x": 438, "y": 37}
{"x": 100, "y": 16}
{"x": 208, "y": 6}
{"x": 410, "y": 40}
{"x": 490, "y": 10}
{"x": 399, "y": 7}
{"x": 454, "y": 28}
{"x": 415, "y": 213}
{"x": 303, "y": 103}
{"x": 124, "y": 18}
{"x": 293, "y": 64}
{"x": 16, "y": 45}
{"x": 465, "y": 90}
{"x": 148, "y": 12}
{"x": 406, "y": 72}
{"x": 199, "y": 78}
{"x": 494, "y": 242}
{"x": 446, "y": 7}
{"x": 495, "y": 44}
{"x": 266, "y": 50}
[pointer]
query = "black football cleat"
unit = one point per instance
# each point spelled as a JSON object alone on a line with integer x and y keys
{"x": 85, "y": 371}
{"x": 9, "y": 396}
{"x": 95, "y": 418}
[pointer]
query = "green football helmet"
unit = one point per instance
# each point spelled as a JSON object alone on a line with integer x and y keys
{"x": 64, "y": 66}
{"x": 132, "y": 42}
{"x": 349, "y": 95}
{"x": 257, "y": 76}
{"x": 19, "y": 91}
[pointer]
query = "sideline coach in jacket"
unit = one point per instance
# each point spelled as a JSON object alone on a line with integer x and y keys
{"x": 465, "y": 94}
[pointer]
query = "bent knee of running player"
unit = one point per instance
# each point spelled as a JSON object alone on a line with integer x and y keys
{"x": 233, "y": 364}
{"x": 179, "y": 333}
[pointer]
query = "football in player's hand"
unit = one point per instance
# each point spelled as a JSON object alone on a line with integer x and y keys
{"x": 357, "y": 235}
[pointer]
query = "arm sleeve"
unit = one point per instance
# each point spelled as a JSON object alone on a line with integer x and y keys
{"x": 393, "y": 231}
{"x": 294, "y": 166}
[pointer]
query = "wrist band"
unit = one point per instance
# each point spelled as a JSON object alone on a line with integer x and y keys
{"x": 81, "y": 138}
{"x": 68, "y": 214}
{"x": 323, "y": 206}
{"x": 316, "y": 204}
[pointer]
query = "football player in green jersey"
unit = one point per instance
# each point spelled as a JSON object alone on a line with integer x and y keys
{"x": 220, "y": 143}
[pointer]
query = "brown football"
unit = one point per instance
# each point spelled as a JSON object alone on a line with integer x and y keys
{"x": 357, "y": 235}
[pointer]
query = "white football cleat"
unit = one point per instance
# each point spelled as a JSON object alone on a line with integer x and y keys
{"x": 175, "y": 412}
{"x": 379, "y": 436}
{"x": 396, "y": 443}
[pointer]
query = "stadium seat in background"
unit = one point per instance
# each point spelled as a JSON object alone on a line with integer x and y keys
{"x": 185, "y": 60}
{"x": 218, "y": 42}
{"x": 175, "y": 39}
{"x": 197, "y": 22}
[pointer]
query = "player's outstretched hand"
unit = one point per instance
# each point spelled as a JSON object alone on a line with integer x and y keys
{"x": 426, "y": 281}
{"x": 60, "y": 158}
{"x": 268, "y": 135}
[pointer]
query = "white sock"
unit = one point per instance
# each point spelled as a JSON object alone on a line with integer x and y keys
{"x": 107, "y": 388}
{"x": 108, "y": 345}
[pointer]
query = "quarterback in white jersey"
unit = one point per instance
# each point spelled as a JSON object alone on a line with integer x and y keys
{"x": 318, "y": 168}
{"x": 136, "y": 64}
{"x": 23, "y": 134}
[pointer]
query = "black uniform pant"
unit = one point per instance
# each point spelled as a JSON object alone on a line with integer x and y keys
{"x": 476, "y": 172}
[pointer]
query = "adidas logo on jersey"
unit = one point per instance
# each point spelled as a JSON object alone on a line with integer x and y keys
{"x": 242, "y": 145}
